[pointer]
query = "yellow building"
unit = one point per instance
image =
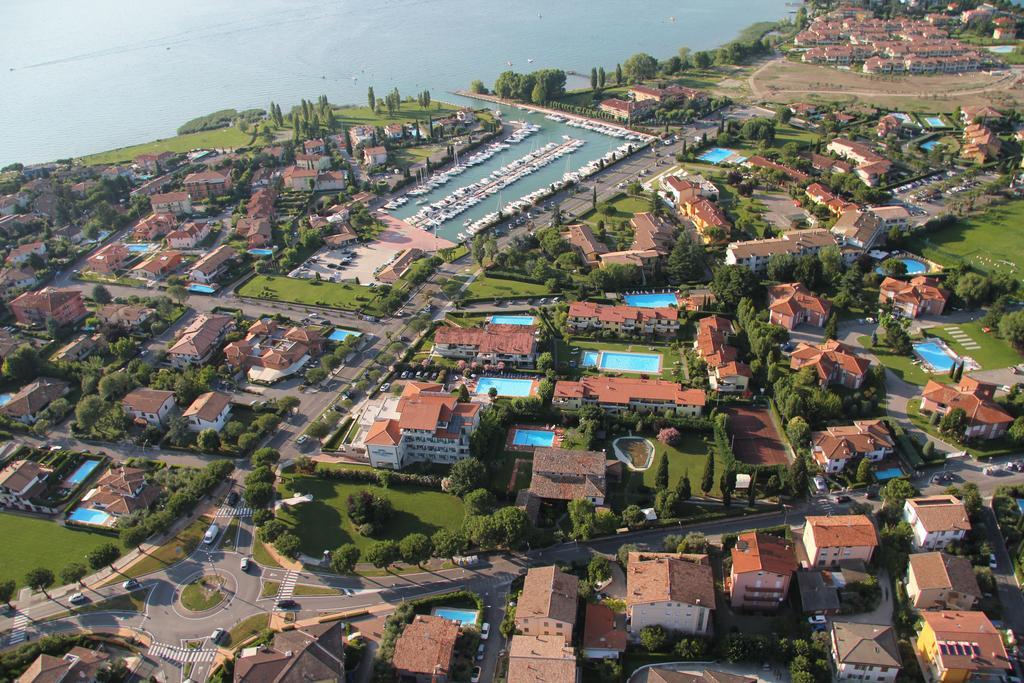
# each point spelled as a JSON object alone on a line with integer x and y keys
{"x": 956, "y": 646}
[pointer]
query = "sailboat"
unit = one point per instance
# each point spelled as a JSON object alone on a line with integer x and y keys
{"x": 530, "y": 60}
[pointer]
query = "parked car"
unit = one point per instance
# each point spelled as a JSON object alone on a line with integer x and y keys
{"x": 130, "y": 585}
{"x": 217, "y": 635}
{"x": 480, "y": 652}
{"x": 384, "y": 387}
{"x": 820, "y": 484}
{"x": 245, "y": 564}
{"x": 817, "y": 622}
{"x": 841, "y": 498}
{"x": 78, "y": 599}
{"x": 302, "y": 439}
{"x": 286, "y": 604}
{"x": 485, "y": 631}
{"x": 475, "y": 676}
{"x": 993, "y": 563}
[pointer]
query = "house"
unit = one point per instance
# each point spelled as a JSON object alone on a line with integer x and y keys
{"x": 985, "y": 418}
{"x": 78, "y": 664}
{"x": 726, "y": 373}
{"x": 257, "y": 231}
{"x": 585, "y": 244}
{"x": 188, "y": 235}
{"x": 921, "y": 296}
{"x": 207, "y": 183}
{"x": 209, "y": 411}
{"x": 652, "y": 233}
{"x": 299, "y": 179}
{"x": 979, "y": 113}
{"x": 375, "y": 156}
{"x": 26, "y": 403}
{"x": 128, "y": 316}
{"x": 547, "y": 606}
{"x": 270, "y": 353}
{"x": 15, "y": 278}
{"x": 199, "y": 340}
{"x": 154, "y": 226}
{"x": 23, "y": 253}
{"x": 647, "y": 261}
{"x": 210, "y": 267}
{"x": 755, "y": 254}
{"x": 315, "y": 146}
{"x": 20, "y": 482}
{"x": 864, "y": 652}
{"x": 794, "y": 174}
{"x": 154, "y": 163}
{"x": 937, "y": 521}
{"x": 955, "y": 646}
{"x": 121, "y": 491}
{"x": 508, "y": 344}
{"x": 835, "y": 446}
{"x": 827, "y": 164}
{"x": 859, "y": 229}
{"x": 425, "y": 649}
{"x": 65, "y": 306}
{"x": 604, "y": 633}
{"x": 833, "y": 361}
{"x": 792, "y": 304}
{"x": 330, "y": 181}
{"x": 671, "y": 590}
{"x": 827, "y": 540}
{"x": 175, "y": 203}
{"x": 819, "y": 194}
{"x": 314, "y": 652}
{"x": 158, "y": 266}
{"x": 561, "y": 474}
{"x": 393, "y": 271}
{"x": 941, "y": 581}
{"x": 541, "y": 659}
{"x": 361, "y": 134}
{"x": 981, "y": 144}
{"x": 871, "y": 167}
{"x": 312, "y": 162}
{"x": 622, "y": 320}
{"x": 689, "y": 188}
{"x": 108, "y": 259}
{"x": 762, "y": 568}
{"x": 819, "y": 591}
{"x": 625, "y": 110}
{"x": 617, "y": 394}
{"x": 79, "y": 348}
{"x": 153, "y": 406}
{"x": 709, "y": 220}
{"x": 427, "y": 424}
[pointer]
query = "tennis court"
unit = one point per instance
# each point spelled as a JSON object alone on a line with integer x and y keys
{"x": 755, "y": 440}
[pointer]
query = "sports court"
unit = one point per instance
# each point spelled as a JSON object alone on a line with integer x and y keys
{"x": 755, "y": 440}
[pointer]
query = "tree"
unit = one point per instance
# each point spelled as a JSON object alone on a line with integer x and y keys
{"x": 477, "y": 86}
{"x": 799, "y": 477}
{"x": 895, "y": 493}
{"x": 415, "y": 549}
{"x": 653, "y": 638}
{"x": 545, "y": 361}
{"x": 448, "y": 543}
{"x": 694, "y": 542}
{"x": 970, "y": 496}
{"x": 683, "y": 491}
{"x": 463, "y": 394}
{"x": 581, "y": 517}
{"x": 132, "y": 536}
{"x": 73, "y": 573}
{"x": 864, "y": 475}
{"x": 832, "y": 327}
{"x": 371, "y": 99}
{"x": 972, "y": 289}
{"x": 178, "y": 293}
{"x": 479, "y": 502}
{"x": 345, "y": 558}
{"x": 7, "y": 588}
{"x": 798, "y": 431}
{"x": 383, "y": 553}
{"x": 23, "y": 363}
{"x": 258, "y": 494}
{"x": 633, "y": 516}
{"x": 1017, "y": 430}
{"x": 264, "y": 457}
{"x": 661, "y": 477}
{"x": 288, "y": 544}
{"x": 319, "y": 429}
{"x": 600, "y": 77}
{"x": 39, "y": 579}
{"x": 101, "y": 294}
{"x": 103, "y": 556}
{"x": 512, "y": 525}
{"x": 954, "y": 423}
{"x": 639, "y": 67}
{"x": 618, "y": 74}
{"x": 707, "y": 480}
{"x": 1011, "y": 328}
{"x": 599, "y": 569}
{"x": 732, "y": 283}
{"x": 669, "y": 436}
{"x": 208, "y": 441}
{"x": 465, "y": 476}
{"x": 89, "y": 410}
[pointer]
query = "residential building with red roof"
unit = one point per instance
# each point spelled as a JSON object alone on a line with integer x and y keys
{"x": 710, "y": 221}
{"x": 188, "y": 235}
{"x": 792, "y": 304}
{"x": 828, "y": 540}
{"x": 585, "y": 316}
{"x": 425, "y": 650}
{"x": 20, "y": 482}
{"x": 17, "y": 278}
{"x": 957, "y": 646}
{"x": 426, "y": 424}
{"x": 108, "y": 259}
{"x": 789, "y": 172}
{"x": 197, "y": 343}
{"x": 257, "y": 231}
{"x": 175, "y": 203}
{"x": 25, "y": 404}
{"x": 865, "y": 652}
{"x": 547, "y": 605}
{"x": 154, "y": 226}
{"x": 921, "y": 296}
{"x": 836, "y": 446}
{"x": 375, "y": 156}
{"x": 393, "y": 271}
{"x": 870, "y": 165}
{"x": 270, "y": 353}
{"x": 985, "y": 418}
{"x": 127, "y": 316}
{"x": 210, "y": 410}
{"x": 762, "y": 568}
{"x": 755, "y": 254}
{"x": 652, "y": 233}
{"x": 207, "y": 183}
{"x": 604, "y": 632}
{"x": 210, "y": 267}
{"x": 78, "y": 664}
{"x": 22, "y": 253}
{"x": 312, "y": 162}
{"x": 726, "y": 373}
{"x": 834, "y": 363}
{"x": 937, "y": 521}
{"x": 315, "y": 146}
{"x": 314, "y": 652}
{"x": 65, "y": 306}
{"x": 151, "y": 406}
{"x": 154, "y": 163}
{"x": 158, "y": 266}
{"x": 625, "y": 110}
{"x": 616, "y": 394}
{"x": 120, "y": 491}
{"x": 937, "y": 580}
{"x": 561, "y": 474}
{"x": 299, "y": 179}
{"x": 508, "y": 344}
{"x": 671, "y": 590}
{"x": 541, "y": 659}
{"x": 585, "y": 244}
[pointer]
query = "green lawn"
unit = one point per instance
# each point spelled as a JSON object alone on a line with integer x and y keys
{"x": 33, "y": 543}
{"x": 247, "y": 628}
{"x": 350, "y": 297}
{"x": 364, "y": 116}
{"x": 901, "y": 366}
{"x": 485, "y": 287}
{"x": 625, "y": 207}
{"x": 989, "y": 242}
{"x": 221, "y": 137}
{"x": 202, "y": 594}
{"x": 324, "y": 524}
{"x": 174, "y": 550}
{"x": 994, "y": 352}
{"x": 687, "y": 458}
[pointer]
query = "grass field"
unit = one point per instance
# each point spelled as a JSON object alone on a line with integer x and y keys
{"x": 246, "y": 628}
{"x": 364, "y": 116}
{"x": 350, "y": 297}
{"x": 989, "y": 242}
{"x": 686, "y": 458}
{"x": 324, "y": 523}
{"x": 994, "y": 352}
{"x": 36, "y": 540}
{"x": 179, "y": 547}
{"x": 260, "y": 554}
{"x": 485, "y": 287}
{"x": 220, "y": 138}
{"x": 202, "y": 594}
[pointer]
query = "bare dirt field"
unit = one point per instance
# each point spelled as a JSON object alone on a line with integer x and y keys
{"x": 755, "y": 439}
{"x": 781, "y": 80}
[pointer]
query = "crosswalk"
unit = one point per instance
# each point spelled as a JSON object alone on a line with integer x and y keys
{"x": 182, "y": 655}
{"x": 18, "y": 634}
{"x": 287, "y": 587}
{"x": 228, "y": 511}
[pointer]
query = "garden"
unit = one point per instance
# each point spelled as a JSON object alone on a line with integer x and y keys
{"x": 981, "y": 241}
{"x": 36, "y": 540}
{"x": 346, "y": 296}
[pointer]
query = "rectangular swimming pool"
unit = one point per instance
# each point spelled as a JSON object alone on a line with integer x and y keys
{"x": 201, "y": 289}
{"x": 512, "y": 319}
{"x": 891, "y": 473}
{"x": 81, "y": 472}
{"x": 717, "y": 155}
{"x": 651, "y": 300}
{"x": 505, "y": 386}
{"x": 622, "y": 361}
{"x": 338, "y": 334}
{"x": 934, "y": 355}
{"x": 935, "y": 121}
{"x": 89, "y": 516}
{"x": 463, "y": 617}
{"x": 141, "y": 247}
{"x": 533, "y": 437}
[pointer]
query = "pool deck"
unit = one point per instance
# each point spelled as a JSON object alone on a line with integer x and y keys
{"x": 520, "y": 448}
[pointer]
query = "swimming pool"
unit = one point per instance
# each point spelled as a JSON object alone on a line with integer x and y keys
{"x": 717, "y": 155}
{"x": 623, "y": 362}
{"x": 935, "y": 121}
{"x": 81, "y": 472}
{"x": 1020, "y": 504}
{"x": 338, "y": 334}
{"x": 505, "y": 386}
{"x": 90, "y": 516}
{"x": 533, "y": 437}
{"x": 462, "y": 616}
{"x": 1001, "y": 49}
{"x": 935, "y": 356}
{"x": 141, "y": 247}
{"x": 512, "y": 319}
{"x": 202, "y": 289}
{"x": 930, "y": 145}
{"x": 891, "y": 473}
{"x": 5, "y": 399}
{"x": 652, "y": 300}
{"x": 260, "y": 252}
{"x": 914, "y": 267}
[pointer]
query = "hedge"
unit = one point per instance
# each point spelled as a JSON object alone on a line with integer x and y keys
{"x": 369, "y": 476}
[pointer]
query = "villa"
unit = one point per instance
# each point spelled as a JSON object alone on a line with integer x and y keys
{"x": 493, "y": 344}
{"x": 158, "y": 266}
{"x": 985, "y": 418}
{"x": 937, "y": 521}
{"x": 540, "y": 659}
{"x": 175, "y": 203}
{"x": 961, "y": 646}
{"x": 710, "y": 221}
{"x": 616, "y": 394}
{"x": 199, "y": 340}
{"x": 833, "y": 361}
{"x": 188, "y": 235}
{"x": 149, "y": 406}
{"x": 837, "y": 445}
{"x": 791, "y": 305}
{"x": 762, "y": 568}
{"x": 210, "y": 267}
{"x": 375, "y": 156}
{"x": 23, "y": 253}
{"x": 828, "y": 540}
{"x": 565, "y": 475}
{"x": 620, "y": 320}
{"x": 921, "y": 296}
{"x": 755, "y": 254}
{"x": 425, "y": 650}
{"x": 865, "y": 652}
{"x": 726, "y": 373}
{"x": 625, "y": 110}
{"x": 108, "y": 259}
{"x": 154, "y": 163}
{"x": 78, "y": 664}
{"x": 20, "y": 482}
{"x": 871, "y": 167}
{"x": 65, "y": 306}
{"x": 154, "y": 226}
{"x": 127, "y": 316}
{"x": 270, "y": 353}
{"x": 671, "y": 590}
{"x": 26, "y": 404}
{"x": 393, "y": 272}
{"x": 308, "y": 653}
{"x": 209, "y": 411}
{"x": 547, "y": 605}
{"x": 584, "y": 243}
{"x": 121, "y": 491}
{"x": 940, "y": 581}
{"x": 207, "y": 183}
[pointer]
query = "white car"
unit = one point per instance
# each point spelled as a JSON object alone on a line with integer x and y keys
{"x": 819, "y": 483}
{"x": 384, "y": 387}
{"x": 993, "y": 563}
{"x": 245, "y": 564}
{"x": 485, "y": 631}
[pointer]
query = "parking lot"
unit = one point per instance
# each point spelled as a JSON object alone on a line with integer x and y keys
{"x": 338, "y": 265}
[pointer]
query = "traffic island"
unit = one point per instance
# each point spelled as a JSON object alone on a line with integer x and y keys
{"x": 204, "y": 593}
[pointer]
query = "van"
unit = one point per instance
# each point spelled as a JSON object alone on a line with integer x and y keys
{"x": 211, "y": 534}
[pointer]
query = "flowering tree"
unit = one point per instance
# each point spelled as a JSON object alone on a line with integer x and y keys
{"x": 669, "y": 436}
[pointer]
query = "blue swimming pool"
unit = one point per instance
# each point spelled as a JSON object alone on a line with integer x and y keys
{"x": 930, "y": 145}
{"x": 891, "y": 473}
{"x": 464, "y": 617}
{"x": 621, "y": 361}
{"x": 260, "y": 252}
{"x": 201, "y": 289}
{"x": 652, "y": 300}
{"x": 5, "y": 399}
{"x": 1020, "y": 504}
{"x": 1001, "y": 49}
{"x": 935, "y": 121}
{"x": 505, "y": 386}
{"x": 89, "y": 516}
{"x": 338, "y": 334}
{"x": 717, "y": 155}
{"x": 936, "y": 357}
{"x": 512, "y": 319}
{"x": 914, "y": 267}
{"x": 141, "y": 247}
{"x": 82, "y": 471}
{"x": 533, "y": 437}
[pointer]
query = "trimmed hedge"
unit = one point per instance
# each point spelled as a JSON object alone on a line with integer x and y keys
{"x": 369, "y": 476}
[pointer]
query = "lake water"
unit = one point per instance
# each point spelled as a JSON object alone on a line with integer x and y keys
{"x": 91, "y": 75}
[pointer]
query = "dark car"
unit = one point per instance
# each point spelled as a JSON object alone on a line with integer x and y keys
{"x": 841, "y": 498}
{"x": 233, "y": 498}
{"x": 286, "y": 604}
